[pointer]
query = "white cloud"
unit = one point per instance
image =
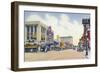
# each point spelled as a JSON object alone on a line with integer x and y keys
{"x": 62, "y": 26}
{"x": 35, "y": 18}
{"x": 72, "y": 28}
{"x": 51, "y": 20}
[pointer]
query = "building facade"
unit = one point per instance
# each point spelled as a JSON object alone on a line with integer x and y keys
{"x": 35, "y": 31}
{"x": 67, "y": 41}
{"x": 50, "y": 35}
{"x": 86, "y": 34}
{"x": 84, "y": 42}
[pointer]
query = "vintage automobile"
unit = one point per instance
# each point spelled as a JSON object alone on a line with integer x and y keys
{"x": 31, "y": 47}
{"x": 56, "y": 46}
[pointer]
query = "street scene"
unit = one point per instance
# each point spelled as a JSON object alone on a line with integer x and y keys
{"x": 56, "y": 36}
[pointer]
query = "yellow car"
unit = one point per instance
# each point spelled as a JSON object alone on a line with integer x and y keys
{"x": 31, "y": 48}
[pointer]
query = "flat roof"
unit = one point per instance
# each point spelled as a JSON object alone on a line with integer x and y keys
{"x": 32, "y": 23}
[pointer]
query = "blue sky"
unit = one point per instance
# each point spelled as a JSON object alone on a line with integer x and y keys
{"x": 73, "y": 16}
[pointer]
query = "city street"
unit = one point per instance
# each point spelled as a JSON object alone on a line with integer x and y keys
{"x": 54, "y": 55}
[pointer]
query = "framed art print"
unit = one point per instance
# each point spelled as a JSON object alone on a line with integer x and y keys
{"x": 52, "y": 36}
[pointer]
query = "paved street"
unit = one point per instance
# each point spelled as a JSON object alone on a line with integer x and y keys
{"x": 54, "y": 55}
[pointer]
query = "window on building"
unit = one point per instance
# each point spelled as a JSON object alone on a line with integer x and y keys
{"x": 43, "y": 30}
{"x": 28, "y": 32}
{"x": 35, "y": 29}
{"x": 31, "y": 32}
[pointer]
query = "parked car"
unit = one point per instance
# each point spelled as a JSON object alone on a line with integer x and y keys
{"x": 56, "y": 46}
{"x": 31, "y": 46}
